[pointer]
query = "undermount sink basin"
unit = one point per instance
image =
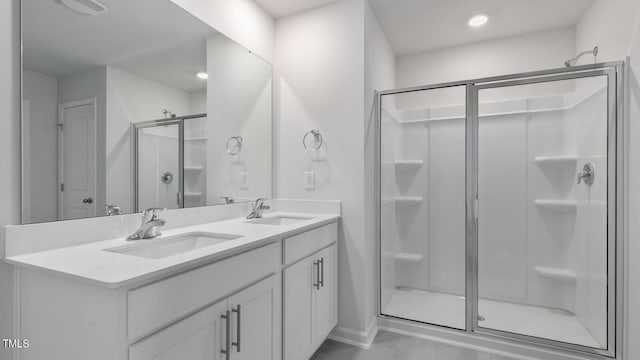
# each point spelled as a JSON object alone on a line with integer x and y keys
{"x": 278, "y": 220}
{"x": 174, "y": 245}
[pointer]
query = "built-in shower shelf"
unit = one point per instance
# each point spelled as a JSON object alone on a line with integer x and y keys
{"x": 556, "y": 273}
{"x": 557, "y": 161}
{"x": 557, "y": 205}
{"x": 193, "y": 168}
{"x": 407, "y": 257}
{"x": 408, "y": 164}
{"x": 193, "y": 194}
{"x": 404, "y": 200}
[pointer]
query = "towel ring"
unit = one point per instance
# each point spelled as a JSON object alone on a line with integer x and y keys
{"x": 317, "y": 140}
{"x": 234, "y": 145}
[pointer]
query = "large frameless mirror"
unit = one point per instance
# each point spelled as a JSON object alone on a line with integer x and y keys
{"x": 128, "y": 105}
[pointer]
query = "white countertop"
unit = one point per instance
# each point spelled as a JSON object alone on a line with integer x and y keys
{"x": 90, "y": 262}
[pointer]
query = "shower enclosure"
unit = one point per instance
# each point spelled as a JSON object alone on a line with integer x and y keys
{"x": 170, "y": 162}
{"x": 500, "y": 206}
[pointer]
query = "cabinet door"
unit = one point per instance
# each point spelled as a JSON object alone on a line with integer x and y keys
{"x": 327, "y": 296}
{"x": 198, "y": 337}
{"x": 299, "y": 309}
{"x": 256, "y": 320}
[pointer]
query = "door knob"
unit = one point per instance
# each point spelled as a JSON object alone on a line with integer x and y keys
{"x": 87, "y": 200}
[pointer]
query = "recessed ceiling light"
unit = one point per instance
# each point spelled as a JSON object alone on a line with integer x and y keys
{"x": 478, "y": 20}
{"x": 83, "y": 7}
{"x": 202, "y": 75}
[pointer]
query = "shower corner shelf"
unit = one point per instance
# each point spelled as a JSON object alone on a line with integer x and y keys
{"x": 193, "y": 194}
{"x": 557, "y": 205}
{"x": 408, "y": 258}
{"x": 556, "y": 273}
{"x": 404, "y": 200}
{"x": 556, "y": 161}
{"x": 408, "y": 164}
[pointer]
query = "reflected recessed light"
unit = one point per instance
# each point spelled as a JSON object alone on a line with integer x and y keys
{"x": 83, "y": 7}
{"x": 202, "y": 75}
{"x": 478, "y": 20}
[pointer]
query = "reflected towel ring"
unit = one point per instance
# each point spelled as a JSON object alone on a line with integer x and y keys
{"x": 317, "y": 140}
{"x": 234, "y": 145}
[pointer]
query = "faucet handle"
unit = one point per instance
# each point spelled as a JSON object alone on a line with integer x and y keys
{"x": 151, "y": 213}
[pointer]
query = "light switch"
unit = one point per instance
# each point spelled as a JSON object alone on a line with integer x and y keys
{"x": 244, "y": 180}
{"x": 309, "y": 180}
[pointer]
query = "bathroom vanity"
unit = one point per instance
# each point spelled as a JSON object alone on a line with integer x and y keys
{"x": 232, "y": 289}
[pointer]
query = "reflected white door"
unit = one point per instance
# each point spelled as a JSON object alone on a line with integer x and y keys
{"x": 78, "y": 159}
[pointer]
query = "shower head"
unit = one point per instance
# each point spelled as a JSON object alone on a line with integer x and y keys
{"x": 572, "y": 62}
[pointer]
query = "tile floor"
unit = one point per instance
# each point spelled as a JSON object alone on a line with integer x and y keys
{"x": 390, "y": 346}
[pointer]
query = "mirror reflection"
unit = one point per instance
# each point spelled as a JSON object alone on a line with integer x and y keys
{"x": 130, "y": 105}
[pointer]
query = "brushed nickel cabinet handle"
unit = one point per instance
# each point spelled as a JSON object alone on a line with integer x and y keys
{"x": 237, "y": 342}
{"x": 227, "y": 350}
{"x": 316, "y": 265}
{"x": 321, "y": 281}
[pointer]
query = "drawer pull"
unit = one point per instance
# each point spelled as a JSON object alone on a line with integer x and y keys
{"x": 237, "y": 342}
{"x": 316, "y": 265}
{"x": 321, "y": 281}
{"x": 227, "y": 350}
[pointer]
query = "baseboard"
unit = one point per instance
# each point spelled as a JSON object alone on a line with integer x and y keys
{"x": 361, "y": 339}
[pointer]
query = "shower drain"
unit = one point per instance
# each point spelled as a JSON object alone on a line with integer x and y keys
{"x": 480, "y": 318}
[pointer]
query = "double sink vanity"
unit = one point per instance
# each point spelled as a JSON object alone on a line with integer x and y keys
{"x": 232, "y": 288}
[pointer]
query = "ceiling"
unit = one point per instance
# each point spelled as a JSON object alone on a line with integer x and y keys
{"x": 281, "y": 8}
{"x": 419, "y": 25}
{"x": 155, "y": 39}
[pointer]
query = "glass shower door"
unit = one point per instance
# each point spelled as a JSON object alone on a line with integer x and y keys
{"x": 158, "y": 166}
{"x": 422, "y": 206}
{"x": 545, "y": 240}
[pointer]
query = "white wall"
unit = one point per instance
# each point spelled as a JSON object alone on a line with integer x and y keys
{"x": 530, "y": 52}
{"x": 608, "y": 25}
{"x": 244, "y": 21}
{"x": 319, "y": 63}
{"x": 9, "y": 151}
{"x": 41, "y": 139}
{"x": 86, "y": 85}
{"x": 379, "y": 66}
{"x": 239, "y": 103}
{"x": 130, "y": 99}
{"x": 198, "y": 102}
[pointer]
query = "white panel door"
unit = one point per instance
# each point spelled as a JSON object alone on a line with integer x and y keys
{"x": 198, "y": 337}
{"x": 326, "y": 316}
{"x": 78, "y": 159}
{"x": 299, "y": 305}
{"x": 255, "y": 321}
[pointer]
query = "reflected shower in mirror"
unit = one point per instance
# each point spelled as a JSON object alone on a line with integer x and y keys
{"x": 131, "y": 106}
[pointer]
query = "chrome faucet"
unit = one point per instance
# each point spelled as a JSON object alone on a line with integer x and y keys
{"x": 113, "y": 210}
{"x": 257, "y": 209}
{"x": 587, "y": 174}
{"x": 149, "y": 227}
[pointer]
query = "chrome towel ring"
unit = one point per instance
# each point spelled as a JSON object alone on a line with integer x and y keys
{"x": 312, "y": 143}
{"x": 234, "y": 145}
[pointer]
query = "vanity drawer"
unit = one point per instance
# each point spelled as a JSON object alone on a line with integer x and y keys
{"x": 300, "y": 246}
{"x": 152, "y": 306}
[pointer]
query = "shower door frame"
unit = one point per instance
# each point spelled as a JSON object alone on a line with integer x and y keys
{"x": 614, "y": 71}
{"x": 135, "y": 128}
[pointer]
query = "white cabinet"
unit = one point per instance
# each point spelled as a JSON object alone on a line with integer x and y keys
{"x": 255, "y": 321}
{"x": 198, "y": 337}
{"x": 310, "y": 303}
{"x": 327, "y": 295}
{"x": 242, "y": 326}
